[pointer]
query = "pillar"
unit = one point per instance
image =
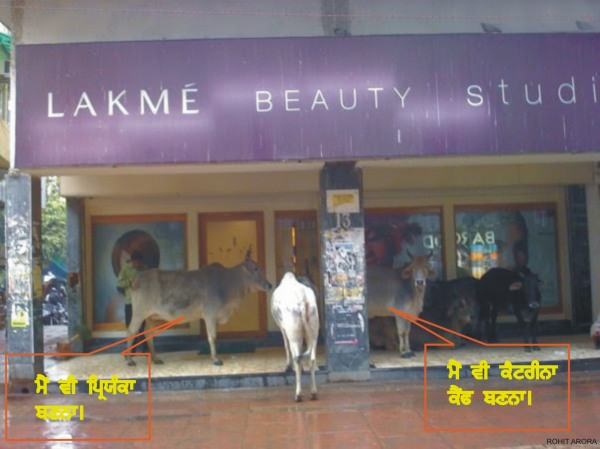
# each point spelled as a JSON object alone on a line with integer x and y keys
{"x": 343, "y": 271}
{"x": 75, "y": 236}
{"x": 579, "y": 258}
{"x": 24, "y": 328}
{"x": 593, "y": 215}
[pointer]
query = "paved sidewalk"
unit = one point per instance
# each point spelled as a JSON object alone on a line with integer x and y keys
{"x": 346, "y": 416}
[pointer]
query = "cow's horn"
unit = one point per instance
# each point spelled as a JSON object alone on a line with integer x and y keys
{"x": 409, "y": 254}
{"x": 430, "y": 254}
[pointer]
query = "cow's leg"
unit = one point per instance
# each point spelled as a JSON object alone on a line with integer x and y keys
{"x": 492, "y": 326}
{"x": 483, "y": 322}
{"x": 523, "y": 326}
{"x": 211, "y": 331}
{"x": 312, "y": 349}
{"x": 403, "y": 327}
{"x": 408, "y": 352}
{"x": 132, "y": 329}
{"x": 313, "y": 369}
{"x": 288, "y": 358}
{"x": 399, "y": 330}
{"x": 296, "y": 352}
{"x": 149, "y": 325}
{"x": 533, "y": 325}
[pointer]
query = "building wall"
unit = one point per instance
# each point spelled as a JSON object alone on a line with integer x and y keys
{"x": 55, "y": 21}
{"x": 384, "y": 188}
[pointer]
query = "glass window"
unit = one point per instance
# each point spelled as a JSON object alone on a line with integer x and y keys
{"x": 511, "y": 237}
{"x": 391, "y": 234}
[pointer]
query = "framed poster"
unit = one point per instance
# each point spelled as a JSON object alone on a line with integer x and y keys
{"x": 391, "y": 235}
{"x": 161, "y": 240}
{"x": 510, "y": 236}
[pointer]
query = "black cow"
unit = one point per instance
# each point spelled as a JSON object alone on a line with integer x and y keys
{"x": 451, "y": 304}
{"x": 500, "y": 289}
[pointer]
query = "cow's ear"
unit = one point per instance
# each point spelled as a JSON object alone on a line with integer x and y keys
{"x": 515, "y": 286}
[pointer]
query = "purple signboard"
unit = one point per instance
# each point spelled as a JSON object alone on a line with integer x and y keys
{"x": 238, "y": 100}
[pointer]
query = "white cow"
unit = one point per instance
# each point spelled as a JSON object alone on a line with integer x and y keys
{"x": 294, "y": 309}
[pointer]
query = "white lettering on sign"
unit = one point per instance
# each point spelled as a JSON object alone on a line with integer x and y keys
{"x": 116, "y": 101}
{"x": 531, "y": 93}
{"x": 487, "y": 237}
{"x": 333, "y": 99}
{"x": 263, "y": 96}
{"x": 51, "y": 113}
{"x": 85, "y": 103}
{"x": 186, "y": 100}
{"x": 145, "y": 100}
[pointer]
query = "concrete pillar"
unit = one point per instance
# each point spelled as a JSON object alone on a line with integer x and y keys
{"x": 24, "y": 278}
{"x": 75, "y": 236}
{"x": 343, "y": 271}
{"x": 593, "y": 213}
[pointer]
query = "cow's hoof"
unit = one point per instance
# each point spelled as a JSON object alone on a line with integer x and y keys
{"x": 314, "y": 397}
{"x": 298, "y": 398}
{"x": 218, "y": 362}
{"x": 130, "y": 362}
{"x": 536, "y": 348}
{"x": 158, "y": 361}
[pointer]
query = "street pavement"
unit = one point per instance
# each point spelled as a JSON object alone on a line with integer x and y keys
{"x": 366, "y": 415}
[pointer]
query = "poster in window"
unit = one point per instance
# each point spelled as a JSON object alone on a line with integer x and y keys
{"x": 510, "y": 237}
{"x": 160, "y": 241}
{"x": 391, "y": 236}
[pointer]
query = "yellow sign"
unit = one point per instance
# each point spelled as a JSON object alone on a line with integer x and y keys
{"x": 19, "y": 316}
{"x": 345, "y": 201}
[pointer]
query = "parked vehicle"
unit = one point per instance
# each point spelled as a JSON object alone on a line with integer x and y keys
{"x": 54, "y": 307}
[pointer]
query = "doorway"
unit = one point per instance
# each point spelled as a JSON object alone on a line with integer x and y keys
{"x": 225, "y": 238}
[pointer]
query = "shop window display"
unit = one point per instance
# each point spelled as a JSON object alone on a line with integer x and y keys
{"x": 516, "y": 237}
{"x": 160, "y": 240}
{"x": 392, "y": 235}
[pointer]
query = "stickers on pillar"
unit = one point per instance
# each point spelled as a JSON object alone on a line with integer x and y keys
{"x": 344, "y": 265}
{"x": 19, "y": 316}
{"x": 347, "y": 325}
{"x": 343, "y": 201}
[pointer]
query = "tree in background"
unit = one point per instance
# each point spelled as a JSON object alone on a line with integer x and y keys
{"x": 54, "y": 225}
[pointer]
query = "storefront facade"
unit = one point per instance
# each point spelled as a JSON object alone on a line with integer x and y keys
{"x": 194, "y": 150}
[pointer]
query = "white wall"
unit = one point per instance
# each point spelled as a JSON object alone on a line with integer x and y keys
{"x": 53, "y": 21}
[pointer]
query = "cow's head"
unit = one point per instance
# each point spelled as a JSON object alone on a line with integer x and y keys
{"x": 419, "y": 270}
{"x": 459, "y": 313}
{"x": 254, "y": 274}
